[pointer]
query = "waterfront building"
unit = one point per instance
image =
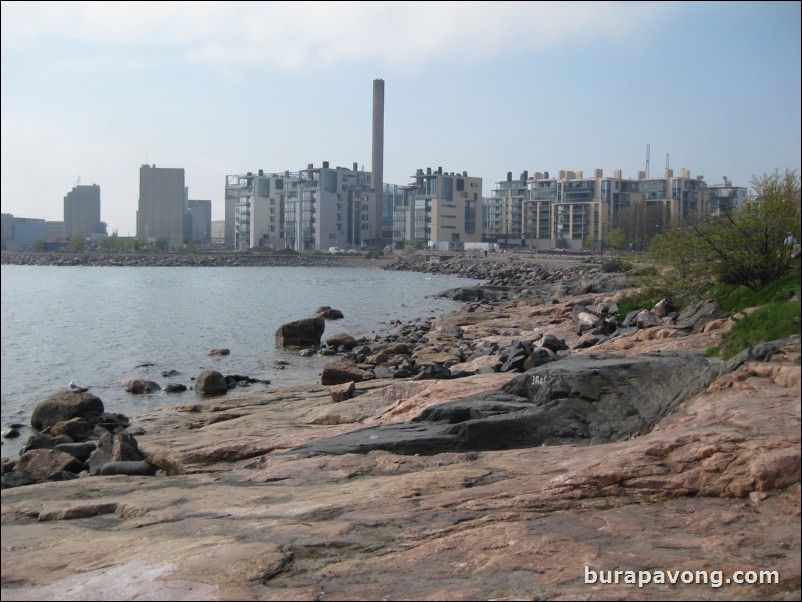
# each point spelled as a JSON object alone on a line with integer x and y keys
{"x": 54, "y": 231}
{"x": 26, "y": 231}
{"x": 403, "y": 218}
{"x": 255, "y": 203}
{"x": 491, "y": 218}
{"x": 331, "y": 207}
{"x": 162, "y": 206}
{"x": 219, "y": 232}
{"x": 312, "y": 209}
{"x": 7, "y": 230}
{"x": 199, "y": 221}
{"x": 571, "y": 211}
{"x": 448, "y": 208}
{"x": 510, "y": 198}
{"x": 725, "y": 196}
{"x": 82, "y": 212}
{"x": 392, "y": 197}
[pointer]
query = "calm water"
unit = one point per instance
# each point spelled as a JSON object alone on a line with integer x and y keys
{"x": 98, "y": 326}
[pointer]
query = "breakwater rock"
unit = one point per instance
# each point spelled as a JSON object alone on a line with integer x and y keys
{"x": 511, "y": 276}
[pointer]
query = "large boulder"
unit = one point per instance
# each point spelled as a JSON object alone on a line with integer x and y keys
{"x": 329, "y": 313}
{"x": 301, "y": 333}
{"x": 338, "y": 373}
{"x": 211, "y": 382}
{"x": 66, "y": 405}
{"x": 346, "y": 341}
{"x": 76, "y": 429}
{"x": 580, "y": 400}
{"x": 139, "y": 386}
{"x": 121, "y": 447}
{"x": 42, "y": 463}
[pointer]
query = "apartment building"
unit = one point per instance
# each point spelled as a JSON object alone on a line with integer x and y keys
{"x": 403, "y": 218}
{"x": 725, "y": 196}
{"x": 162, "y": 206}
{"x": 331, "y": 207}
{"x": 574, "y": 211}
{"x": 448, "y": 208}
{"x": 312, "y": 209}
{"x": 510, "y": 204}
{"x": 257, "y": 203}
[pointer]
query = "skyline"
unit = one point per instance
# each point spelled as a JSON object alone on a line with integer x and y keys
{"x": 487, "y": 88}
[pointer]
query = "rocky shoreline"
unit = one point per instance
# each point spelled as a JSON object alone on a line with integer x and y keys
{"x": 493, "y": 454}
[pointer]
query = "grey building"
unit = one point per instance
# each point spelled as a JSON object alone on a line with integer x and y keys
{"x": 27, "y": 230}
{"x": 199, "y": 221}
{"x": 258, "y": 202}
{"x": 7, "y": 238}
{"x": 54, "y": 230}
{"x": 448, "y": 208}
{"x": 725, "y": 196}
{"x": 330, "y": 207}
{"x": 511, "y": 195}
{"x": 312, "y": 209}
{"x": 162, "y": 210}
{"x": 82, "y": 212}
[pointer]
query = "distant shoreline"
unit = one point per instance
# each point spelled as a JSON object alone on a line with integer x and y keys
{"x": 247, "y": 259}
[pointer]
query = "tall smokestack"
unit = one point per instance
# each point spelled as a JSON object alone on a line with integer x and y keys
{"x": 378, "y": 151}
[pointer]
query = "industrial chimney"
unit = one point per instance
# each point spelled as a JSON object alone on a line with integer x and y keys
{"x": 378, "y": 152}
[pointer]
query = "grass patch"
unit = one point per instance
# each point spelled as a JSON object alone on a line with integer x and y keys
{"x": 636, "y": 302}
{"x": 740, "y": 298}
{"x": 768, "y": 323}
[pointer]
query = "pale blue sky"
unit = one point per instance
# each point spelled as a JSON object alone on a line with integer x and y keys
{"x": 94, "y": 90}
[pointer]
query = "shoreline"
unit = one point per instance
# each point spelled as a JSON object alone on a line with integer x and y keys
{"x": 299, "y": 372}
{"x": 293, "y": 494}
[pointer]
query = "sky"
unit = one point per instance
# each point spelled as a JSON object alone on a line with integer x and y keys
{"x": 93, "y": 90}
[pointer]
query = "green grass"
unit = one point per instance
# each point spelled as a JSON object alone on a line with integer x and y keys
{"x": 771, "y": 322}
{"x": 740, "y": 298}
{"x": 638, "y": 301}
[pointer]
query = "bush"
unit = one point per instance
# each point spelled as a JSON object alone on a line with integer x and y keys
{"x": 749, "y": 246}
{"x": 617, "y": 265}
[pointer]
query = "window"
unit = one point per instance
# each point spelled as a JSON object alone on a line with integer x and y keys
{"x": 448, "y": 184}
{"x": 330, "y": 181}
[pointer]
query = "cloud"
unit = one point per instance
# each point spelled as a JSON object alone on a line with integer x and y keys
{"x": 286, "y": 36}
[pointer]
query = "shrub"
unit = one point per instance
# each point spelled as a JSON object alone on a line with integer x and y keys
{"x": 616, "y": 265}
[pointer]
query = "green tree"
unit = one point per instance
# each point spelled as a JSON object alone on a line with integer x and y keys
{"x": 111, "y": 243}
{"x": 78, "y": 243}
{"x": 682, "y": 250}
{"x": 39, "y": 244}
{"x": 615, "y": 238}
{"x": 753, "y": 245}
